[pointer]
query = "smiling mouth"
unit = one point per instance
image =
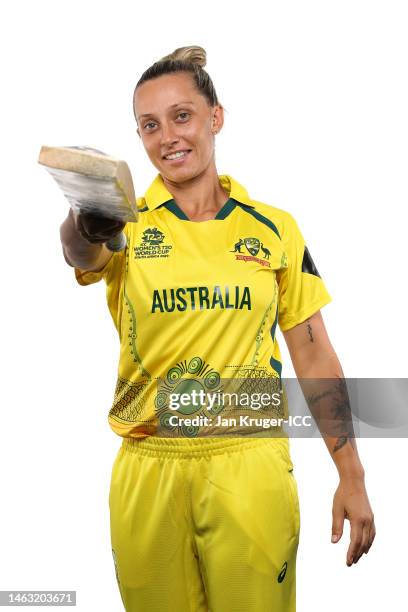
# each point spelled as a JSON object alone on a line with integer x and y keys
{"x": 178, "y": 155}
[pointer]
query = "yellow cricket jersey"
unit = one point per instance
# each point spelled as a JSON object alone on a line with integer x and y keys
{"x": 197, "y": 304}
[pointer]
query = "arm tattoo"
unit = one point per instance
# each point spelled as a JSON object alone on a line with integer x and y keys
{"x": 329, "y": 403}
{"x": 309, "y": 329}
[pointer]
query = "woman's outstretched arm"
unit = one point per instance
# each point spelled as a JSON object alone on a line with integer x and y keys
{"x": 83, "y": 237}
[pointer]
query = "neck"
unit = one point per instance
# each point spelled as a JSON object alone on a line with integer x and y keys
{"x": 200, "y": 197}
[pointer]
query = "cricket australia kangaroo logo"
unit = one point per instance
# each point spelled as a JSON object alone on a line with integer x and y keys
{"x": 253, "y": 246}
{"x": 152, "y": 245}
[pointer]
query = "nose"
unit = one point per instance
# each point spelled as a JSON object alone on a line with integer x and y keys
{"x": 168, "y": 135}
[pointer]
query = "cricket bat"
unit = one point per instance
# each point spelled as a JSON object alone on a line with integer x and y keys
{"x": 93, "y": 182}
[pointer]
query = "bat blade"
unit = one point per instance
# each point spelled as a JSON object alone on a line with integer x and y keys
{"x": 93, "y": 182}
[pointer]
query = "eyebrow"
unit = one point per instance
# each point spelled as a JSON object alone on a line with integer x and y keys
{"x": 172, "y": 106}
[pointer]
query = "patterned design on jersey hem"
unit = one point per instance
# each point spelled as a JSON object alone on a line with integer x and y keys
{"x": 250, "y": 371}
{"x": 185, "y": 377}
{"x": 128, "y": 403}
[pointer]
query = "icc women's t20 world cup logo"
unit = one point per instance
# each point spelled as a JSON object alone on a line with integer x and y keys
{"x": 152, "y": 244}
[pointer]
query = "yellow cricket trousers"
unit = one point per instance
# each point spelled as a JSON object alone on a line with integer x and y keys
{"x": 205, "y": 524}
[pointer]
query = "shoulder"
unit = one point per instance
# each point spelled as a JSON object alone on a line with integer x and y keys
{"x": 282, "y": 219}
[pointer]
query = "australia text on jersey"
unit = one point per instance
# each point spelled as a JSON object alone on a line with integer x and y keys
{"x": 201, "y": 298}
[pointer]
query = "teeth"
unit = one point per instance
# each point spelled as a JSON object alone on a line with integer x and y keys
{"x": 176, "y": 155}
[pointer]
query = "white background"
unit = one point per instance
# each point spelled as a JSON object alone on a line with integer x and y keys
{"x": 316, "y": 94}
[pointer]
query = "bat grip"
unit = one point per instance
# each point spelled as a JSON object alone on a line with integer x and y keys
{"x": 117, "y": 243}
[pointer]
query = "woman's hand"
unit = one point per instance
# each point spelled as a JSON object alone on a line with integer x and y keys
{"x": 96, "y": 229}
{"x": 351, "y": 502}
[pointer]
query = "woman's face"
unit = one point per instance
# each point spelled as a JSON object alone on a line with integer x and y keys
{"x": 173, "y": 116}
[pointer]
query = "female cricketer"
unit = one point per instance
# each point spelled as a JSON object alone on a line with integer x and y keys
{"x": 202, "y": 521}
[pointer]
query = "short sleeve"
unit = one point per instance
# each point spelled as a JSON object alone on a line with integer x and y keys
{"x": 302, "y": 291}
{"x": 87, "y": 277}
{"x": 113, "y": 274}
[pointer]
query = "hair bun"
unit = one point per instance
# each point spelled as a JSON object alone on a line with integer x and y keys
{"x": 193, "y": 54}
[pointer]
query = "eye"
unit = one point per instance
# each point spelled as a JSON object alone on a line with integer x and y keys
{"x": 147, "y": 124}
{"x": 183, "y": 113}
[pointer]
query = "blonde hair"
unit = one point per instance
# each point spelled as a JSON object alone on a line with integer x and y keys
{"x": 191, "y": 59}
{"x": 193, "y": 54}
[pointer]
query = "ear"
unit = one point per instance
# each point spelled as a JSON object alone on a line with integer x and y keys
{"x": 137, "y": 130}
{"x": 217, "y": 118}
